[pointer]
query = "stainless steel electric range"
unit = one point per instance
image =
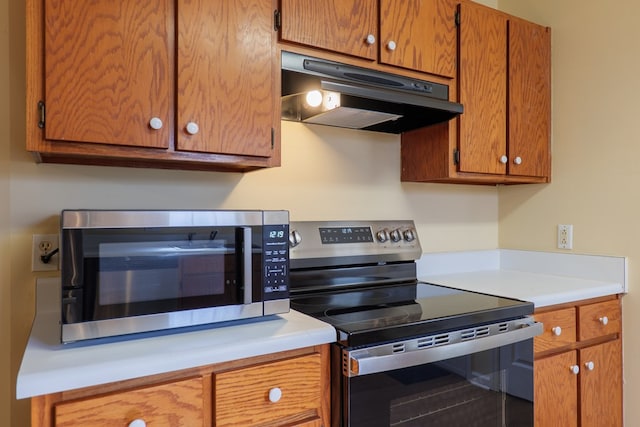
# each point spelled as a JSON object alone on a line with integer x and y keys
{"x": 409, "y": 353}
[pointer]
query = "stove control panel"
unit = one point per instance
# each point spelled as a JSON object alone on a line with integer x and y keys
{"x": 391, "y": 240}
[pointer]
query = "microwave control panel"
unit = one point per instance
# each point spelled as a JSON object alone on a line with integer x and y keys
{"x": 276, "y": 261}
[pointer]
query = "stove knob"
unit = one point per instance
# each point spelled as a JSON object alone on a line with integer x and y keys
{"x": 395, "y": 235}
{"x": 409, "y": 235}
{"x": 294, "y": 238}
{"x": 382, "y": 236}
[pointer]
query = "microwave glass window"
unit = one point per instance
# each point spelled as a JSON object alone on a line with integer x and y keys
{"x": 154, "y": 270}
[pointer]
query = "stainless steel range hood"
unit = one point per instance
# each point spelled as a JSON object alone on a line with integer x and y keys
{"x": 329, "y": 93}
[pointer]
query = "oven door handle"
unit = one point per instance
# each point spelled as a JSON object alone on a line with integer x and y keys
{"x": 392, "y": 356}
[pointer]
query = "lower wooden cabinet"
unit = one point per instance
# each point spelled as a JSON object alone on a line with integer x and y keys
{"x": 284, "y": 389}
{"x": 578, "y": 376}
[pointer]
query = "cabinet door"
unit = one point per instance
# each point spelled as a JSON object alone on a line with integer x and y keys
{"x": 482, "y": 89}
{"x": 287, "y": 392}
{"x": 179, "y": 403}
{"x": 419, "y": 35}
{"x": 555, "y": 391}
{"x": 529, "y": 99}
{"x": 226, "y": 75}
{"x": 109, "y": 71}
{"x": 337, "y": 25}
{"x": 601, "y": 385}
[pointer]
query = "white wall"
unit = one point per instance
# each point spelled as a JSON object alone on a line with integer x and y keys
{"x": 596, "y": 85}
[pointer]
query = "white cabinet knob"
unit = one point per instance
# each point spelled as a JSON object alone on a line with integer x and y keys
{"x": 589, "y": 365}
{"x": 275, "y": 394}
{"x": 137, "y": 423}
{"x": 192, "y": 128}
{"x": 371, "y": 39}
{"x": 557, "y": 331}
{"x": 391, "y": 45}
{"x": 504, "y": 160}
{"x": 517, "y": 160}
{"x": 155, "y": 123}
{"x": 575, "y": 369}
{"x": 604, "y": 320}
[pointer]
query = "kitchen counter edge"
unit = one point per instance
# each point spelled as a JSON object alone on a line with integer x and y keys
{"x": 49, "y": 367}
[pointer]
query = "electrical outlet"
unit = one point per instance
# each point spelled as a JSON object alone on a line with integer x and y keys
{"x": 565, "y": 236}
{"x": 44, "y": 244}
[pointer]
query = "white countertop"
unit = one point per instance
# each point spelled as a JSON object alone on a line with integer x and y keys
{"x": 48, "y": 366}
{"x": 544, "y": 278}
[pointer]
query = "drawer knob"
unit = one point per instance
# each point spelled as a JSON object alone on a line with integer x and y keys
{"x": 155, "y": 123}
{"x": 192, "y": 128}
{"x": 575, "y": 369}
{"x": 604, "y": 320}
{"x": 557, "y": 331}
{"x": 589, "y": 365}
{"x": 371, "y": 39}
{"x": 517, "y": 160}
{"x": 504, "y": 159}
{"x": 137, "y": 423}
{"x": 391, "y": 45}
{"x": 275, "y": 394}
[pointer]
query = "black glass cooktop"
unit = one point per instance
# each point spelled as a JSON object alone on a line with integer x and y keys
{"x": 394, "y": 312}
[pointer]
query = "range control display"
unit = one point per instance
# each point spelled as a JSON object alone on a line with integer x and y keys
{"x": 334, "y": 235}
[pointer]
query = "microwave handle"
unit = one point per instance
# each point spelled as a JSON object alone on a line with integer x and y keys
{"x": 246, "y": 264}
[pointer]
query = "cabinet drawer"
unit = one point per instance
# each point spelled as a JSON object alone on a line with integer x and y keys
{"x": 599, "y": 319}
{"x": 559, "y": 329}
{"x": 242, "y": 396}
{"x": 176, "y": 404}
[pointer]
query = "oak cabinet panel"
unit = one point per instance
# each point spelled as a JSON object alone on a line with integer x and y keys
{"x": 559, "y": 329}
{"x": 417, "y": 35}
{"x": 529, "y": 99}
{"x": 108, "y": 71}
{"x": 556, "y": 391}
{"x": 483, "y": 89}
{"x": 601, "y": 385}
{"x": 279, "y": 391}
{"x": 179, "y": 403}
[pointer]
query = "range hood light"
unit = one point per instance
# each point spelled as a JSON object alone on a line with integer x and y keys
{"x": 314, "y": 98}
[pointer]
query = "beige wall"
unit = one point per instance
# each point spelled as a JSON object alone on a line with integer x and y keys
{"x": 326, "y": 173}
{"x": 596, "y": 86}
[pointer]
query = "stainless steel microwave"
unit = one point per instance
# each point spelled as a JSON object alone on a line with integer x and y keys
{"x": 134, "y": 271}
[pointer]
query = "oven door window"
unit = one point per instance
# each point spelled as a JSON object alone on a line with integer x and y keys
{"x": 484, "y": 389}
{"x": 131, "y": 272}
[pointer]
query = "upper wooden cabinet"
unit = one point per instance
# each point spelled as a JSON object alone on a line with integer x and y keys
{"x": 418, "y": 35}
{"x": 504, "y": 84}
{"x": 182, "y": 84}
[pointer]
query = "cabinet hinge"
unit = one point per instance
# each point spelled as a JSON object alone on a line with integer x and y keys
{"x": 273, "y": 138}
{"x": 457, "y": 18}
{"x": 277, "y": 20}
{"x": 456, "y": 157}
{"x": 41, "y": 108}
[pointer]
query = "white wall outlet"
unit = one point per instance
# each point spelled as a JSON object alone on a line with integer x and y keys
{"x": 44, "y": 244}
{"x": 565, "y": 236}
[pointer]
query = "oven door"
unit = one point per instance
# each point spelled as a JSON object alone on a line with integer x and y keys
{"x": 477, "y": 384}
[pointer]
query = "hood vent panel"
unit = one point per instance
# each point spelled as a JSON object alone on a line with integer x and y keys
{"x": 333, "y": 94}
